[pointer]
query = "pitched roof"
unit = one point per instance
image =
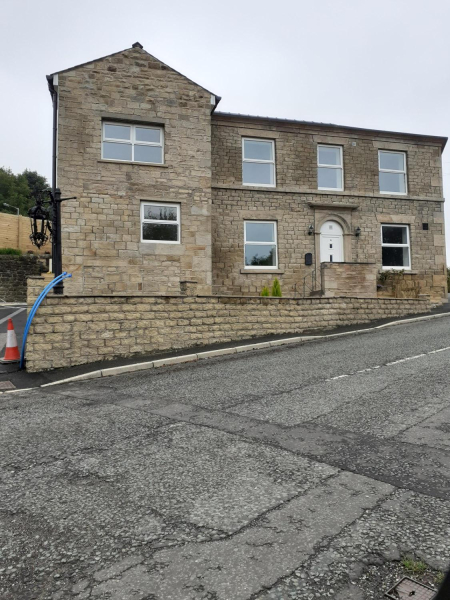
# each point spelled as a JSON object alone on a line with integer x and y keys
{"x": 439, "y": 139}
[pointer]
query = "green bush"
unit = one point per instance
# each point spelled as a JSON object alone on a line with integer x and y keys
{"x": 448, "y": 279}
{"x": 265, "y": 291}
{"x": 276, "y": 288}
{"x": 13, "y": 251}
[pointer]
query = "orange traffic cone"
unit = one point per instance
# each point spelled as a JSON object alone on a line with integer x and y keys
{"x": 12, "y": 353}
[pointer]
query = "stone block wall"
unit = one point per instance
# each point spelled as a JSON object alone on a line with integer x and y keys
{"x": 296, "y": 155}
{"x": 15, "y": 232}
{"x": 409, "y": 285}
{"x": 14, "y": 271}
{"x": 202, "y": 173}
{"x": 296, "y": 203}
{"x": 294, "y": 213}
{"x": 101, "y": 236}
{"x": 74, "y": 330}
{"x": 349, "y": 279}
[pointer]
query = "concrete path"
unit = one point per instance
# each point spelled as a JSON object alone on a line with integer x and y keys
{"x": 299, "y": 472}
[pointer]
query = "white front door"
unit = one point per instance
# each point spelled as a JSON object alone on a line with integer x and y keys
{"x": 331, "y": 242}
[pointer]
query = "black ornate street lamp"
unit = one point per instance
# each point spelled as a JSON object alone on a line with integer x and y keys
{"x": 40, "y": 220}
{"x": 45, "y": 219}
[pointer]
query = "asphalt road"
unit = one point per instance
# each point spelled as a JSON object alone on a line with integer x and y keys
{"x": 301, "y": 472}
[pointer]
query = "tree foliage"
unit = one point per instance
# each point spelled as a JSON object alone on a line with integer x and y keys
{"x": 18, "y": 190}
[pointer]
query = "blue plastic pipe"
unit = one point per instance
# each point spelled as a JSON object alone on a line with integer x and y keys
{"x": 36, "y": 305}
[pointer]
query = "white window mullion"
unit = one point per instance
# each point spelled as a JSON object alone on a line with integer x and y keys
{"x": 397, "y": 186}
{"x": 270, "y": 259}
{"x": 324, "y": 169}
{"x": 148, "y": 237}
{"x": 258, "y": 177}
{"x": 111, "y": 152}
{"x": 394, "y": 261}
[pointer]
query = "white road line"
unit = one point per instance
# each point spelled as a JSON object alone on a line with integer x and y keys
{"x": 11, "y": 315}
{"x": 389, "y": 364}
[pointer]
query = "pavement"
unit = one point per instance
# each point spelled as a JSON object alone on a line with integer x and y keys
{"x": 297, "y": 472}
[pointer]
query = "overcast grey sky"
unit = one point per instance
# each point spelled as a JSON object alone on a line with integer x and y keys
{"x": 383, "y": 64}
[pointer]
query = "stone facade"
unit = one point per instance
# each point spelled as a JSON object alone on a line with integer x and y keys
{"x": 101, "y": 229}
{"x": 14, "y": 272}
{"x": 202, "y": 172}
{"x": 72, "y": 330}
{"x": 296, "y": 203}
{"x": 355, "y": 280}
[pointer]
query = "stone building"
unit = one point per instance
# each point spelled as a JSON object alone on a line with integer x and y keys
{"x": 171, "y": 190}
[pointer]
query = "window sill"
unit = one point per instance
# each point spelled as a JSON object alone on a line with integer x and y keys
{"x": 393, "y": 193}
{"x": 405, "y": 269}
{"x": 261, "y": 271}
{"x": 130, "y": 162}
{"x": 259, "y": 186}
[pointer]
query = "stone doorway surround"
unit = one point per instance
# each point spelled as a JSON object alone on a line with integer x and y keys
{"x": 341, "y": 212}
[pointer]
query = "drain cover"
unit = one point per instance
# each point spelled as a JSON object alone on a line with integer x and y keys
{"x": 409, "y": 589}
{"x": 7, "y": 385}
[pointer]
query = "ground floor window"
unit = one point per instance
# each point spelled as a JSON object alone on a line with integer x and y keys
{"x": 395, "y": 247}
{"x": 160, "y": 222}
{"x": 260, "y": 242}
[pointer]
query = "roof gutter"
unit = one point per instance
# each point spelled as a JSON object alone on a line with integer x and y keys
{"x": 215, "y": 101}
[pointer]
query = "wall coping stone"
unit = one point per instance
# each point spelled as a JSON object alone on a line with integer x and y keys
{"x": 311, "y": 299}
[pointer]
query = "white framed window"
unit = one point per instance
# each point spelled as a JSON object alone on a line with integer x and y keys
{"x": 258, "y": 162}
{"x": 132, "y": 143}
{"x": 160, "y": 223}
{"x": 395, "y": 247}
{"x": 260, "y": 245}
{"x": 392, "y": 172}
{"x": 330, "y": 170}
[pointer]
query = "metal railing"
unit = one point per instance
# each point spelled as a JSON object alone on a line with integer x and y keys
{"x": 309, "y": 283}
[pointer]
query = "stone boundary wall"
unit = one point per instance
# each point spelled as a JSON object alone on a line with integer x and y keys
{"x": 358, "y": 280}
{"x": 14, "y": 272}
{"x": 72, "y": 330}
{"x": 404, "y": 284}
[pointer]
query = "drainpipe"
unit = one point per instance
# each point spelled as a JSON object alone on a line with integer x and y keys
{"x": 56, "y": 213}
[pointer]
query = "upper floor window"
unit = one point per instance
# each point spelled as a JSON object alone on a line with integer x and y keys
{"x": 258, "y": 162}
{"x": 330, "y": 168}
{"x": 260, "y": 242}
{"x": 133, "y": 143}
{"x": 395, "y": 247}
{"x": 392, "y": 167}
{"x": 160, "y": 222}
